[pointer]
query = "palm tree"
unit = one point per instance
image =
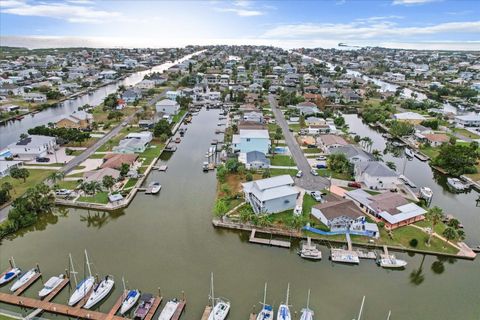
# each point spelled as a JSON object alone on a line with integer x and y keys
{"x": 391, "y": 165}
{"x": 56, "y": 176}
{"x": 7, "y": 187}
{"x": 377, "y": 154}
{"x": 435, "y": 215}
{"x": 450, "y": 234}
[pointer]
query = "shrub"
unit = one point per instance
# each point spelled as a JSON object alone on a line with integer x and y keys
{"x": 413, "y": 243}
{"x": 249, "y": 176}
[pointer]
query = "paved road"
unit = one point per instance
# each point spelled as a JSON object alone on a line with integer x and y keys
{"x": 308, "y": 181}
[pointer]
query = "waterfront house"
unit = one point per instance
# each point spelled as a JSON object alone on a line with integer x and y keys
{"x": 130, "y": 95}
{"x": 389, "y": 207}
{"x": 252, "y": 140}
{"x": 410, "y": 117}
{"x": 172, "y": 95}
{"x": 6, "y": 166}
{"x": 145, "y": 84}
{"x": 433, "y": 139}
{"x": 98, "y": 175}
{"x": 32, "y": 147}
{"x": 341, "y": 215}
{"x": 253, "y": 116}
{"x": 134, "y": 142}
{"x": 271, "y": 195}
{"x": 256, "y": 160}
{"x": 353, "y": 153}
{"x": 167, "y": 106}
{"x": 326, "y": 141}
{"x": 77, "y": 120}
{"x": 375, "y": 175}
{"x": 468, "y": 120}
{"x": 115, "y": 160}
{"x": 35, "y": 97}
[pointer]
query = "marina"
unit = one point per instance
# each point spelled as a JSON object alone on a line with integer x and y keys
{"x": 270, "y": 242}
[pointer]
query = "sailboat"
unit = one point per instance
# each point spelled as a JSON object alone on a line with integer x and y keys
{"x": 283, "y": 312}
{"x": 220, "y": 307}
{"x": 23, "y": 279}
{"x": 267, "y": 311}
{"x": 307, "y": 313}
{"x": 50, "y": 285}
{"x": 84, "y": 287}
{"x": 130, "y": 299}
{"x": 10, "y": 274}
{"x": 100, "y": 291}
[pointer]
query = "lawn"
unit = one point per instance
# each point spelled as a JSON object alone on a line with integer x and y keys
{"x": 280, "y": 160}
{"x": 430, "y": 151}
{"x": 151, "y": 153}
{"x": 336, "y": 175}
{"x": 308, "y": 203}
{"x": 312, "y": 150}
{"x": 279, "y": 172}
{"x": 178, "y": 116}
{"x": 100, "y": 197}
{"x": 272, "y": 127}
{"x": 97, "y": 156}
{"x": 19, "y": 187}
{"x": 466, "y": 133}
{"x": 39, "y": 164}
{"x": 71, "y": 185}
{"x": 130, "y": 183}
{"x": 3, "y": 317}
{"x": 295, "y": 127}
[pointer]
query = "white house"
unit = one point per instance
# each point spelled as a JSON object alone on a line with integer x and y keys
{"x": 409, "y": 116}
{"x": 375, "y": 175}
{"x": 32, "y": 147}
{"x": 253, "y": 116}
{"x": 172, "y": 95}
{"x": 6, "y": 166}
{"x": 271, "y": 195}
{"x": 468, "y": 120}
{"x": 251, "y": 140}
{"x": 167, "y": 106}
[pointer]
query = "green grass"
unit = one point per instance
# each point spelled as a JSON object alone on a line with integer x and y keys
{"x": 19, "y": 187}
{"x": 281, "y": 160}
{"x": 466, "y": 133}
{"x": 179, "y": 116}
{"x": 430, "y": 151}
{"x": 130, "y": 183}
{"x": 312, "y": 150}
{"x": 97, "y": 156}
{"x": 38, "y": 164}
{"x": 308, "y": 203}
{"x": 279, "y": 172}
{"x": 328, "y": 173}
{"x": 151, "y": 153}
{"x": 295, "y": 127}
{"x": 100, "y": 197}
{"x": 3, "y": 317}
{"x": 71, "y": 185}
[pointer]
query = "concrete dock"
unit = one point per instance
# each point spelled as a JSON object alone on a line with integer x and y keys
{"x": 270, "y": 242}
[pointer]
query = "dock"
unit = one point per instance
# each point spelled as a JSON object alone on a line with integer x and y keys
{"x": 48, "y": 298}
{"x": 270, "y": 242}
{"x": 116, "y": 306}
{"x": 421, "y": 156}
{"x": 160, "y": 168}
{"x": 206, "y": 312}
{"x": 363, "y": 254}
{"x": 253, "y": 316}
{"x": 154, "y": 308}
{"x": 28, "y": 284}
{"x": 179, "y": 311}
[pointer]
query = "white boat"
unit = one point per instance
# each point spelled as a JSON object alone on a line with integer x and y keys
{"x": 344, "y": 256}
{"x": 84, "y": 287}
{"x": 169, "y": 310}
{"x": 23, "y": 279}
{"x": 426, "y": 193}
{"x": 10, "y": 275}
{"x": 154, "y": 187}
{"x": 130, "y": 300}
{"x": 267, "y": 311}
{"x": 307, "y": 313}
{"x": 220, "y": 306}
{"x": 310, "y": 251}
{"x": 100, "y": 291}
{"x": 457, "y": 184}
{"x": 409, "y": 153}
{"x": 283, "y": 312}
{"x": 407, "y": 181}
{"x": 50, "y": 285}
{"x": 389, "y": 261}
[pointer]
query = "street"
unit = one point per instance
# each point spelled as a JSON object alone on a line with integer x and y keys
{"x": 307, "y": 181}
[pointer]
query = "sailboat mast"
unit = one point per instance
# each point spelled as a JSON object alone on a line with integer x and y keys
{"x": 13, "y": 263}
{"x": 88, "y": 263}
{"x": 308, "y": 298}
{"x": 361, "y": 309}
{"x": 212, "y": 296}
{"x": 73, "y": 269}
{"x": 288, "y": 293}
{"x": 265, "y": 294}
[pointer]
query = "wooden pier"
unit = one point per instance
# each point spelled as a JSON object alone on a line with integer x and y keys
{"x": 206, "y": 312}
{"x": 116, "y": 306}
{"x": 48, "y": 298}
{"x": 270, "y": 242}
{"x": 179, "y": 311}
{"x": 253, "y": 316}
{"x": 28, "y": 284}
{"x": 154, "y": 308}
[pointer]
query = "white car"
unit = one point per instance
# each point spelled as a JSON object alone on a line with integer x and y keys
{"x": 299, "y": 174}
{"x": 297, "y": 211}
{"x": 321, "y": 158}
{"x": 317, "y": 196}
{"x": 314, "y": 172}
{"x": 63, "y": 192}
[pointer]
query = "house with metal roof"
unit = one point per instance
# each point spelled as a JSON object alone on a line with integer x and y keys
{"x": 271, "y": 195}
{"x": 32, "y": 147}
{"x": 256, "y": 160}
{"x": 353, "y": 153}
{"x": 167, "y": 106}
{"x": 251, "y": 140}
{"x": 375, "y": 175}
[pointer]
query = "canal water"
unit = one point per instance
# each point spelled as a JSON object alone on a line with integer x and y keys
{"x": 168, "y": 241}
{"x": 11, "y": 131}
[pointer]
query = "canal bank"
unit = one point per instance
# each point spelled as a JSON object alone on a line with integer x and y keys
{"x": 168, "y": 241}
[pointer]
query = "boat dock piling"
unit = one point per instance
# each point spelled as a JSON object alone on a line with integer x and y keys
{"x": 385, "y": 250}
{"x": 349, "y": 241}
{"x": 206, "y": 312}
{"x": 253, "y": 316}
{"x": 270, "y": 242}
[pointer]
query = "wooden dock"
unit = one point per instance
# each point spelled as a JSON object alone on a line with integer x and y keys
{"x": 206, "y": 312}
{"x": 154, "y": 308}
{"x": 28, "y": 284}
{"x": 179, "y": 311}
{"x": 160, "y": 168}
{"x": 116, "y": 306}
{"x": 253, "y": 316}
{"x": 270, "y": 242}
{"x": 48, "y": 298}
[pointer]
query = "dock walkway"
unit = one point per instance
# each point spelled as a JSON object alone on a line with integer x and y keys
{"x": 206, "y": 312}
{"x": 179, "y": 311}
{"x": 48, "y": 298}
{"x": 270, "y": 242}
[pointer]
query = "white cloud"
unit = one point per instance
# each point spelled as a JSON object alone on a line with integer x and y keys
{"x": 411, "y": 2}
{"x": 381, "y": 29}
{"x": 241, "y": 12}
{"x": 243, "y": 8}
{"x": 76, "y": 12}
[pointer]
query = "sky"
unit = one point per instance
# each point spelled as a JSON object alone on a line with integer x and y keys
{"x": 415, "y": 24}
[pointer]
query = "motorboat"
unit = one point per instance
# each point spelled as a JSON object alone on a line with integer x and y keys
{"x": 389, "y": 261}
{"x": 310, "y": 251}
{"x": 426, "y": 193}
{"x": 145, "y": 304}
{"x": 307, "y": 313}
{"x": 407, "y": 181}
{"x": 100, "y": 291}
{"x": 84, "y": 287}
{"x": 344, "y": 256}
{"x": 205, "y": 166}
{"x": 457, "y": 184}
{"x": 130, "y": 300}
{"x": 23, "y": 279}
{"x": 10, "y": 275}
{"x": 50, "y": 285}
{"x": 153, "y": 188}
{"x": 169, "y": 310}
{"x": 220, "y": 306}
{"x": 283, "y": 312}
{"x": 267, "y": 311}
{"x": 409, "y": 153}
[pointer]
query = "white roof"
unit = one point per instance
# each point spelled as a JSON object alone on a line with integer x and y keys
{"x": 407, "y": 211}
{"x": 166, "y": 102}
{"x": 471, "y": 117}
{"x": 274, "y": 182}
{"x": 409, "y": 116}
{"x": 275, "y": 193}
{"x": 259, "y": 134}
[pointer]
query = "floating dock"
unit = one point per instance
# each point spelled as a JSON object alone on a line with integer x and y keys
{"x": 48, "y": 298}
{"x": 28, "y": 284}
{"x": 160, "y": 168}
{"x": 117, "y": 305}
{"x": 179, "y": 311}
{"x": 154, "y": 308}
{"x": 270, "y": 242}
{"x": 206, "y": 312}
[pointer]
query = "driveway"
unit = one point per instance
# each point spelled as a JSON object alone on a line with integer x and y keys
{"x": 308, "y": 181}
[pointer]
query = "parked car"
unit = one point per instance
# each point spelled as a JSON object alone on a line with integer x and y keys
{"x": 321, "y": 165}
{"x": 299, "y": 174}
{"x": 316, "y": 195}
{"x": 321, "y": 158}
{"x": 354, "y": 185}
{"x": 311, "y": 146}
{"x": 63, "y": 192}
{"x": 314, "y": 172}
{"x": 297, "y": 211}
{"x": 42, "y": 159}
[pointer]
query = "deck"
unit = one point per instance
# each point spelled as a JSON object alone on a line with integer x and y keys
{"x": 270, "y": 242}
{"x": 28, "y": 284}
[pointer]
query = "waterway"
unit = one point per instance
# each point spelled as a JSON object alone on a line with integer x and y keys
{"x": 168, "y": 241}
{"x": 11, "y": 131}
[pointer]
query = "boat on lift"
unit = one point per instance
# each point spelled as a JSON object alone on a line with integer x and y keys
{"x": 220, "y": 306}
{"x": 84, "y": 287}
{"x": 407, "y": 181}
{"x": 169, "y": 310}
{"x": 283, "y": 312}
{"x": 50, "y": 285}
{"x": 23, "y": 279}
{"x": 267, "y": 310}
{"x": 457, "y": 184}
{"x": 310, "y": 251}
{"x": 409, "y": 153}
{"x": 307, "y": 313}
{"x": 100, "y": 291}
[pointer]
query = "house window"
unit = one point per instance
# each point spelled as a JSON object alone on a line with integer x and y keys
{"x": 248, "y": 139}
{"x": 286, "y": 201}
